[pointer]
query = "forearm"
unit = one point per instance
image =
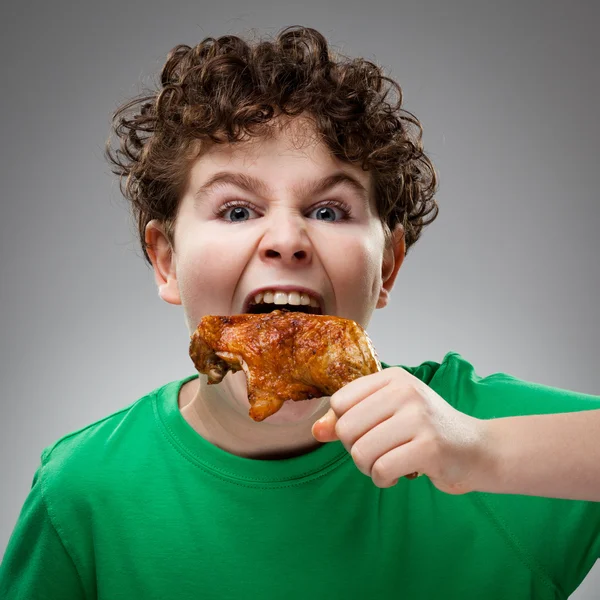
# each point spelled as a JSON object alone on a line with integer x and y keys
{"x": 555, "y": 455}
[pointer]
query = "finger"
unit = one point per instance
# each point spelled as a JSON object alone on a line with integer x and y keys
{"x": 380, "y": 440}
{"x": 366, "y": 415}
{"x": 352, "y": 393}
{"x": 399, "y": 462}
{"x": 323, "y": 430}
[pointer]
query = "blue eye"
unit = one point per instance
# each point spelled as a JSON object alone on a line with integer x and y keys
{"x": 330, "y": 213}
{"x": 235, "y": 212}
{"x": 239, "y": 213}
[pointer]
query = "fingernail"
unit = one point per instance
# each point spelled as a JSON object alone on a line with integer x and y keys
{"x": 325, "y": 417}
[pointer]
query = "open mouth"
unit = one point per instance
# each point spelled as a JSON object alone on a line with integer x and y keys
{"x": 261, "y": 309}
{"x": 267, "y": 301}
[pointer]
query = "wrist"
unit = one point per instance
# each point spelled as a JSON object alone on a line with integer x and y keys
{"x": 488, "y": 475}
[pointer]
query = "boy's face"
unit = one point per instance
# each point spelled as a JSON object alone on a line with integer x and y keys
{"x": 279, "y": 235}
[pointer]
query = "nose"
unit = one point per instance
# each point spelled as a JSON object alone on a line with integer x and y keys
{"x": 286, "y": 241}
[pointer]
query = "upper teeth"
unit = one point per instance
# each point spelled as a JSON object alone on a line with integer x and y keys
{"x": 293, "y": 298}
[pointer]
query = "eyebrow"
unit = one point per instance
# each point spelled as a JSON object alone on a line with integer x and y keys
{"x": 255, "y": 185}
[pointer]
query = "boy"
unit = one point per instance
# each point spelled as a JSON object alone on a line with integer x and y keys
{"x": 246, "y": 179}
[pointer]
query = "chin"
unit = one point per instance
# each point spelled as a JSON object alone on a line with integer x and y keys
{"x": 301, "y": 411}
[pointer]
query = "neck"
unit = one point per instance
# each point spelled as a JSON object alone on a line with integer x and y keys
{"x": 219, "y": 413}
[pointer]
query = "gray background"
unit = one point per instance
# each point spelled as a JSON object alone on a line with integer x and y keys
{"x": 507, "y": 276}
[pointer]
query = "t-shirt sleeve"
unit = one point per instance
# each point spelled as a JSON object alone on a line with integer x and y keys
{"x": 560, "y": 537}
{"x": 502, "y": 395}
{"x": 36, "y": 564}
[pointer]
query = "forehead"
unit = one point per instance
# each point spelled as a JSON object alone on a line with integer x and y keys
{"x": 287, "y": 151}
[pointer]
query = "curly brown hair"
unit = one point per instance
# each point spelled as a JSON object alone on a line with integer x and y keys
{"x": 228, "y": 89}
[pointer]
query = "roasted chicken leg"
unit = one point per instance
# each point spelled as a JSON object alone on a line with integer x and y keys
{"x": 285, "y": 355}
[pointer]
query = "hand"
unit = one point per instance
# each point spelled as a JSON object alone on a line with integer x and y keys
{"x": 394, "y": 425}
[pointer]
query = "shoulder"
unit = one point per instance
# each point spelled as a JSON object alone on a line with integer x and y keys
{"x": 81, "y": 460}
{"x": 444, "y": 376}
{"x": 429, "y": 371}
{"x": 498, "y": 394}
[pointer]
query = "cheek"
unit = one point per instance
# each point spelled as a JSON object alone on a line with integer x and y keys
{"x": 207, "y": 272}
{"x": 356, "y": 273}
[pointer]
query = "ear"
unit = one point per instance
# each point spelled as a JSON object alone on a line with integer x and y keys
{"x": 393, "y": 256}
{"x": 162, "y": 257}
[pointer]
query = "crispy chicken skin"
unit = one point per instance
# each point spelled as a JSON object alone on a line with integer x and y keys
{"x": 285, "y": 355}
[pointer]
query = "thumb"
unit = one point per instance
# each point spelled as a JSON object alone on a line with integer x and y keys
{"x": 323, "y": 430}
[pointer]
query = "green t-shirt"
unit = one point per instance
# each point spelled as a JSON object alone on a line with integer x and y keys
{"x": 138, "y": 505}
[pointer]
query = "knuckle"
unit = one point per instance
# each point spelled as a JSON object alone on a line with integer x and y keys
{"x": 398, "y": 390}
{"x": 418, "y": 411}
{"x": 417, "y": 393}
{"x": 380, "y": 471}
{"x": 341, "y": 429}
{"x": 407, "y": 394}
{"x": 335, "y": 403}
{"x": 359, "y": 458}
